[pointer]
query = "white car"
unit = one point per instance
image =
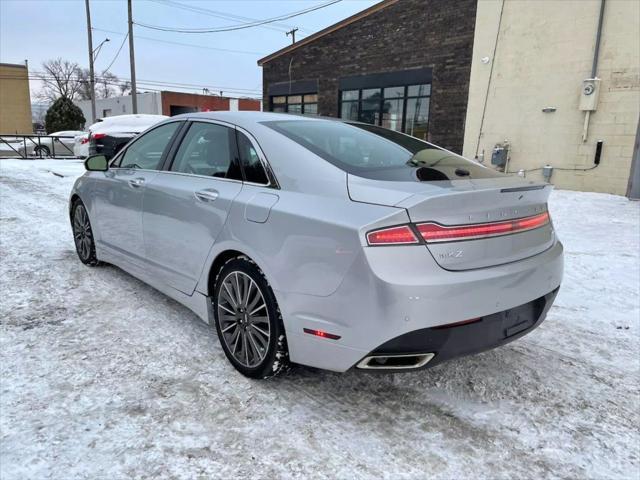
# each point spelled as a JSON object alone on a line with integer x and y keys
{"x": 81, "y": 145}
{"x": 56, "y": 144}
{"x": 10, "y": 146}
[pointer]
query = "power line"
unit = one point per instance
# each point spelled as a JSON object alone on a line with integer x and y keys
{"x": 237, "y": 27}
{"x": 181, "y": 43}
{"x": 213, "y": 13}
{"x": 118, "y": 53}
{"x": 151, "y": 83}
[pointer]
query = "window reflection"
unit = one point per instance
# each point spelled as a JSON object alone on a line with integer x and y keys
{"x": 298, "y": 104}
{"x": 399, "y": 108}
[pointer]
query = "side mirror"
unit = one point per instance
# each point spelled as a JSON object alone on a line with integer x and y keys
{"x": 96, "y": 163}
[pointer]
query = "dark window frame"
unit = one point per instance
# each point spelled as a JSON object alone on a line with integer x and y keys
{"x": 405, "y": 98}
{"x": 286, "y": 103}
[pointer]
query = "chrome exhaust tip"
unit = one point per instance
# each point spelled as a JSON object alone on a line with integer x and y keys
{"x": 395, "y": 362}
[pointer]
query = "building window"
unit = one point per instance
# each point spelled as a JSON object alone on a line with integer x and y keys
{"x": 306, "y": 104}
{"x": 403, "y": 108}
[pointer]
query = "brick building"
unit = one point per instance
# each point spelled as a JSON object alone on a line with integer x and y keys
{"x": 475, "y": 75}
{"x": 404, "y": 65}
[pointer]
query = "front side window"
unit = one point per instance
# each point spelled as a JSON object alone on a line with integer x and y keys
{"x": 207, "y": 149}
{"x": 375, "y": 152}
{"x": 253, "y": 169}
{"x": 146, "y": 152}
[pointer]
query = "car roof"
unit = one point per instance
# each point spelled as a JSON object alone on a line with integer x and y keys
{"x": 247, "y": 118}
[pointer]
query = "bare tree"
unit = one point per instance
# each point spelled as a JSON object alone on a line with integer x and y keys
{"x": 125, "y": 87}
{"x": 107, "y": 84}
{"x": 85, "y": 85}
{"x": 60, "y": 78}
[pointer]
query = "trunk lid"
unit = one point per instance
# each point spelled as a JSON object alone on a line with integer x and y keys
{"x": 467, "y": 202}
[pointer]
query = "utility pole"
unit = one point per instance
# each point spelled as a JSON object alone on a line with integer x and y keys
{"x": 292, "y": 32}
{"x": 92, "y": 79}
{"x": 132, "y": 60}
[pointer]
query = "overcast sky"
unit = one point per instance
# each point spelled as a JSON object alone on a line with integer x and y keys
{"x": 37, "y": 30}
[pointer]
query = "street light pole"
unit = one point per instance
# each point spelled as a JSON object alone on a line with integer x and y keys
{"x": 92, "y": 80}
{"x": 97, "y": 50}
{"x": 132, "y": 60}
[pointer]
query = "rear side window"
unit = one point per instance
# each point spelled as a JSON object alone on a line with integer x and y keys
{"x": 207, "y": 149}
{"x": 253, "y": 168}
{"x": 146, "y": 152}
{"x": 375, "y": 152}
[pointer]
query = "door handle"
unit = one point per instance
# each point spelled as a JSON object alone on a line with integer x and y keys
{"x": 208, "y": 195}
{"x": 136, "y": 182}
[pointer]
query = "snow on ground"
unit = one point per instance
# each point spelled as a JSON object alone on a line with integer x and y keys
{"x": 104, "y": 377}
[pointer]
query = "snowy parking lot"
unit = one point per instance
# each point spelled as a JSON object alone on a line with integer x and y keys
{"x": 104, "y": 377}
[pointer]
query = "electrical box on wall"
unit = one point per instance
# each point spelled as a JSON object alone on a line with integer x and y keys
{"x": 500, "y": 154}
{"x": 589, "y": 94}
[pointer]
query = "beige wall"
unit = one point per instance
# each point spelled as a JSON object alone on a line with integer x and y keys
{"x": 544, "y": 51}
{"x": 15, "y": 101}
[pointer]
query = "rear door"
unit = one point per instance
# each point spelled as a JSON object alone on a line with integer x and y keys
{"x": 186, "y": 205}
{"x": 119, "y": 191}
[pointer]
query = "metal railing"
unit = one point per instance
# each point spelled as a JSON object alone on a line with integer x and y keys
{"x": 36, "y": 146}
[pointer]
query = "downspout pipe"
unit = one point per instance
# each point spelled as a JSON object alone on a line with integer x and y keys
{"x": 594, "y": 67}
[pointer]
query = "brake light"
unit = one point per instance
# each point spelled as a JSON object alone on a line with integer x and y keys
{"x": 84, "y": 140}
{"x": 432, "y": 232}
{"x": 98, "y": 136}
{"x": 402, "y": 235}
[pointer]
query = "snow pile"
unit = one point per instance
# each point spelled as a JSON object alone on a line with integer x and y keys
{"x": 126, "y": 123}
{"x": 103, "y": 377}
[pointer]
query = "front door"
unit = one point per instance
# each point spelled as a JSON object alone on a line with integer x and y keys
{"x": 186, "y": 207}
{"x": 119, "y": 191}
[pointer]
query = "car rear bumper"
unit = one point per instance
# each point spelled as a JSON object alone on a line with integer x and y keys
{"x": 392, "y": 292}
{"x": 437, "y": 344}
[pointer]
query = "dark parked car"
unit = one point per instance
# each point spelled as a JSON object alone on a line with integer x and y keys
{"x": 109, "y": 135}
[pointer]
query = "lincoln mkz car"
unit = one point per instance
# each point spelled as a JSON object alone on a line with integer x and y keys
{"x": 315, "y": 241}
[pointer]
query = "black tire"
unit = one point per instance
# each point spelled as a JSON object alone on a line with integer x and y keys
{"x": 271, "y": 355}
{"x": 83, "y": 234}
{"x": 42, "y": 148}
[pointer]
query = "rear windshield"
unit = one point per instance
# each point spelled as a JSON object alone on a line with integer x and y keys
{"x": 375, "y": 152}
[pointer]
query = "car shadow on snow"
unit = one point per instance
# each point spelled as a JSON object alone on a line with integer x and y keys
{"x": 456, "y": 395}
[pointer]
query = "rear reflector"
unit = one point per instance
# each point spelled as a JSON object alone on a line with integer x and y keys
{"x": 432, "y": 232}
{"x": 321, "y": 333}
{"x": 402, "y": 235}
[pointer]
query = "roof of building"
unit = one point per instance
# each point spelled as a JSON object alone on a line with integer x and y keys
{"x": 343, "y": 23}
{"x": 13, "y": 65}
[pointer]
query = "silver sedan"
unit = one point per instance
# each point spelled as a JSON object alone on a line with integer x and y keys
{"x": 320, "y": 242}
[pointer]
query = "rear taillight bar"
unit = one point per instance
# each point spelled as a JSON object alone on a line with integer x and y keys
{"x": 431, "y": 232}
{"x": 401, "y": 235}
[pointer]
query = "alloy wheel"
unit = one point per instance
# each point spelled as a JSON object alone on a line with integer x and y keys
{"x": 82, "y": 232}
{"x": 244, "y": 319}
